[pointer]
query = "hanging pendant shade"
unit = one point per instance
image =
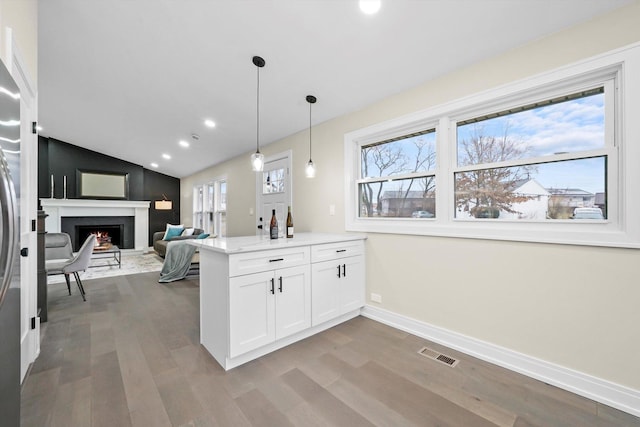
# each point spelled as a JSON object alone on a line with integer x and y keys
{"x": 310, "y": 169}
{"x": 257, "y": 158}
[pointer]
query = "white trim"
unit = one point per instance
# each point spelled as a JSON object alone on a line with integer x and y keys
{"x": 623, "y": 398}
{"x": 619, "y": 231}
{"x": 29, "y": 338}
{"x": 58, "y": 208}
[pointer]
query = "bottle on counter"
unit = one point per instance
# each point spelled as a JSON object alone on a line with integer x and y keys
{"x": 289, "y": 224}
{"x": 273, "y": 226}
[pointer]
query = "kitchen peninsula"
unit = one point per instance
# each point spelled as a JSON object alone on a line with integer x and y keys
{"x": 258, "y": 295}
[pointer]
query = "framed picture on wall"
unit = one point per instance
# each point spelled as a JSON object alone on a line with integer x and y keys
{"x": 102, "y": 185}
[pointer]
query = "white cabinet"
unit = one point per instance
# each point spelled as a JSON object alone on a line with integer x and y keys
{"x": 257, "y": 296}
{"x": 268, "y": 306}
{"x": 269, "y": 297}
{"x": 339, "y": 283}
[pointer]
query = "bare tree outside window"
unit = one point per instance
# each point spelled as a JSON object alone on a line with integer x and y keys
{"x": 512, "y": 162}
{"x": 405, "y": 187}
{"x": 485, "y": 192}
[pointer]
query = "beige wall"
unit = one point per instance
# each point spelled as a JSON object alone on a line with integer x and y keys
{"x": 570, "y": 305}
{"x": 22, "y": 17}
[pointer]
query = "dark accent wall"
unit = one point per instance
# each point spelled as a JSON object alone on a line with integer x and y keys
{"x": 157, "y": 186}
{"x": 61, "y": 159}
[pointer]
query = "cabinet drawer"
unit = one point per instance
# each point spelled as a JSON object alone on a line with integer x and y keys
{"x": 331, "y": 251}
{"x": 255, "y": 262}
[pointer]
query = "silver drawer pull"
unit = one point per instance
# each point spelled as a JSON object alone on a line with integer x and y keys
{"x": 341, "y": 250}
{"x": 277, "y": 259}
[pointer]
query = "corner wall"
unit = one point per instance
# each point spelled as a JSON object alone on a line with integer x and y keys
{"x": 572, "y": 306}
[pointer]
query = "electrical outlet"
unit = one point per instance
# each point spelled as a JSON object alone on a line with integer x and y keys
{"x": 251, "y": 211}
{"x": 376, "y": 298}
{"x": 332, "y": 209}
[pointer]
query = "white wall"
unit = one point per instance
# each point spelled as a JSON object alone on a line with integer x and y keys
{"x": 22, "y": 17}
{"x": 573, "y": 306}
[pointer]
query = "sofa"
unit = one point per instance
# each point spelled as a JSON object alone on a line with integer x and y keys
{"x": 160, "y": 245}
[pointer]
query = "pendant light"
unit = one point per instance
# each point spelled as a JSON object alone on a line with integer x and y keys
{"x": 257, "y": 158}
{"x": 310, "y": 169}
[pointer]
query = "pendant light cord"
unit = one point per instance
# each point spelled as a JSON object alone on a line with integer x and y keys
{"x": 258, "y": 112}
{"x": 310, "y": 157}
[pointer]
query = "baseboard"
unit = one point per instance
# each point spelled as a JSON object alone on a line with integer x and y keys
{"x": 620, "y": 397}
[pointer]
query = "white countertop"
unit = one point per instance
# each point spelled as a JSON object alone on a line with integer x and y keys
{"x": 235, "y": 245}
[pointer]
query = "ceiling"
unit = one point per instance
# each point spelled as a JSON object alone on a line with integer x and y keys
{"x": 132, "y": 78}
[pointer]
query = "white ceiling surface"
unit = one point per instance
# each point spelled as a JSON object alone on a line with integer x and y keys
{"x": 131, "y": 78}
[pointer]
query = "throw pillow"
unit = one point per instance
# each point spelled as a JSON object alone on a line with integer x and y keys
{"x": 173, "y": 231}
{"x": 202, "y": 236}
{"x": 187, "y": 232}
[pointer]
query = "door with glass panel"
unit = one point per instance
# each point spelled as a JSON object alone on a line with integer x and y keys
{"x": 273, "y": 189}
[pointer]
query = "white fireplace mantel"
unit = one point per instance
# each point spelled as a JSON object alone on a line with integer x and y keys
{"x": 59, "y": 208}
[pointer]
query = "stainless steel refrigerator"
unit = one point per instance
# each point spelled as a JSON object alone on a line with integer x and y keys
{"x": 9, "y": 250}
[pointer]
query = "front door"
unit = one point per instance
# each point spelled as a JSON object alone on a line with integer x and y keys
{"x": 273, "y": 190}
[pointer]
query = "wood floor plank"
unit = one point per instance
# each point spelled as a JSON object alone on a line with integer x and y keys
{"x": 411, "y": 400}
{"x": 260, "y": 411}
{"x": 109, "y": 402}
{"x": 322, "y": 401}
{"x": 375, "y": 411}
{"x": 216, "y": 400}
{"x": 180, "y": 402}
{"x": 130, "y": 356}
{"x": 143, "y": 398}
{"x": 303, "y": 415}
{"x": 73, "y": 404}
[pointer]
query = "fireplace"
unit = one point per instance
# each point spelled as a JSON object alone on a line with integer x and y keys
{"x": 120, "y": 229}
{"x": 106, "y": 235}
{"x": 98, "y": 212}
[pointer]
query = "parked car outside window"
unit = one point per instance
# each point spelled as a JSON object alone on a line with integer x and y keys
{"x": 587, "y": 213}
{"x": 422, "y": 214}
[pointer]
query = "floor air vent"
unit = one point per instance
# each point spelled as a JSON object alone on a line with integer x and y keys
{"x": 432, "y": 354}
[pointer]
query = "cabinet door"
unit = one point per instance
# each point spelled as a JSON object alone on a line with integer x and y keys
{"x": 325, "y": 303}
{"x": 352, "y": 284}
{"x": 251, "y": 312}
{"x": 293, "y": 300}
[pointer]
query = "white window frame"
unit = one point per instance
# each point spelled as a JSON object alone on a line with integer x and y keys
{"x": 621, "y": 229}
{"x": 211, "y": 211}
{"x": 198, "y": 206}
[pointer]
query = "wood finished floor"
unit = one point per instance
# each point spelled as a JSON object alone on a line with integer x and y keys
{"x": 130, "y": 356}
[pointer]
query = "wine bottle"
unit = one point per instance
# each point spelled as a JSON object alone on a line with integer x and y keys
{"x": 273, "y": 227}
{"x": 289, "y": 224}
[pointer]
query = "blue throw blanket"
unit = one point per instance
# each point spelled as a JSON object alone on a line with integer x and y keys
{"x": 177, "y": 261}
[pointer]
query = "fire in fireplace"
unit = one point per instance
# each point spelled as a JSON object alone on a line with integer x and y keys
{"x": 103, "y": 240}
{"x": 120, "y": 229}
{"x": 106, "y": 235}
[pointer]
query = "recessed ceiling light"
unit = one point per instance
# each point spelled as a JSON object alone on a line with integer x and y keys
{"x": 38, "y": 128}
{"x": 166, "y": 156}
{"x": 154, "y": 165}
{"x": 183, "y": 143}
{"x": 370, "y": 6}
{"x": 210, "y": 123}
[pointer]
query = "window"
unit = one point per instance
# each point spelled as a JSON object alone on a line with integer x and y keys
{"x": 552, "y": 156}
{"x": 198, "y": 206}
{"x": 210, "y": 207}
{"x": 397, "y": 177}
{"x": 547, "y": 159}
{"x": 273, "y": 181}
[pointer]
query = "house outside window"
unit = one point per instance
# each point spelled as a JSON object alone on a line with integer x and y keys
{"x": 553, "y": 156}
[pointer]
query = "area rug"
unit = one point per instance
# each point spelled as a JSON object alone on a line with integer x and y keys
{"x": 103, "y": 267}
